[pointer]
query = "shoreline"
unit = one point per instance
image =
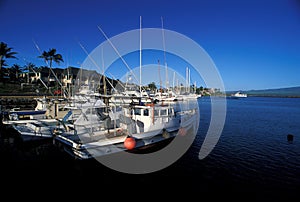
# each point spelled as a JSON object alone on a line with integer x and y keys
{"x": 267, "y": 96}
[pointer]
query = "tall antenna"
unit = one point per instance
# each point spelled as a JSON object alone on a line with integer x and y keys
{"x": 115, "y": 49}
{"x": 91, "y": 58}
{"x": 160, "y": 87}
{"x": 186, "y": 79}
{"x": 103, "y": 76}
{"x": 173, "y": 80}
{"x": 140, "y": 54}
{"x": 163, "y": 36}
{"x": 189, "y": 81}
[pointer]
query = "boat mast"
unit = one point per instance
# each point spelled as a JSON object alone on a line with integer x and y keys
{"x": 163, "y": 36}
{"x": 103, "y": 76}
{"x": 89, "y": 56}
{"x": 160, "y": 87}
{"x": 189, "y": 86}
{"x": 115, "y": 49}
{"x": 173, "y": 81}
{"x": 140, "y": 54}
{"x": 186, "y": 78}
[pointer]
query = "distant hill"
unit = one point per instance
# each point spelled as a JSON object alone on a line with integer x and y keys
{"x": 278, "y": 92}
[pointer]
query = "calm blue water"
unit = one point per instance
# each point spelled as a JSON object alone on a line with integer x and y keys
{"x": 253, "y": 148}
{"x": 252, "y": 155}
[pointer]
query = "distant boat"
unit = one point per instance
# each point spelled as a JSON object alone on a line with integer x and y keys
{"x": 238, "y": 95}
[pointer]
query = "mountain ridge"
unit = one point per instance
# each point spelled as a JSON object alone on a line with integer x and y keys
{"x": 275, "y": 92}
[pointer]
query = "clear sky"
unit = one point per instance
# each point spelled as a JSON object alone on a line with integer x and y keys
{"x": 254, "y": 44}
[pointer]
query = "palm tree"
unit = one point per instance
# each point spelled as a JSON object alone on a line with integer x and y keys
{"x": 2, "y": 63}
{"x": 15, "y": 70}
{"x": 50, "y": 56}
{"x": 152, "y": 86}
{"x": 5, "y": 52}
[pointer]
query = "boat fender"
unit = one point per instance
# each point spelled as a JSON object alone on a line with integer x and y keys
{"x": 129, "y": 143}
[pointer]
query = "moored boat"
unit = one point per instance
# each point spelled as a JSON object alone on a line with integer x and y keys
{"x": 98, "y": 132}
{"x": 238, "y": 95}
{"x": 31, "y": 130}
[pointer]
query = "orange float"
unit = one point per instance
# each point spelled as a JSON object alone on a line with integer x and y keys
{"x": 129, "y": 143}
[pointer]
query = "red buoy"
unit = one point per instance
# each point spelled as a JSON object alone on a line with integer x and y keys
{"x": 129, "y": 143}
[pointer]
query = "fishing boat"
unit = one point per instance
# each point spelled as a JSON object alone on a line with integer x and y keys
{"x": 129, "y": 94}
{"x": 92, "y": 124}
{"x": 238, "y": 95}
{"x": 165, "y": 97}
{"x": 129, "y": 121}
{"x": 102, "y": 131}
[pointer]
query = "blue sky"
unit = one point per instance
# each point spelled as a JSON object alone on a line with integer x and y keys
{"x": 254, "y": 44}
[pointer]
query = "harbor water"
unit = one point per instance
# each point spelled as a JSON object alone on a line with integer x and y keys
{"x": 253, "y": 155}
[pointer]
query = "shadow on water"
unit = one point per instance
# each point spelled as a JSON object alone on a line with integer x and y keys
{"x": 253, "y": 156}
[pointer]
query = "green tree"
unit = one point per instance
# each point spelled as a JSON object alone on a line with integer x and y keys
{"x": 5, "y": 52}
{"x": 152, "y": 86}
{"x": 2, "y": 64}
{"x": 51, "y": 56}
{"x": 15, "y": 70}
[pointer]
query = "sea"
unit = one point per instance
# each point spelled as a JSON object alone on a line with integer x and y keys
{"x": 253, "y": 160}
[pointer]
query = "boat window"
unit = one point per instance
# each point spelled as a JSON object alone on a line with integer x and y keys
{"x": 137, "y": 111}
{"x": 100, "y": 110}
{"x": 156, "y": 112}
{"x": 146, "y": 112}
{"x": 163, "y": 112}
